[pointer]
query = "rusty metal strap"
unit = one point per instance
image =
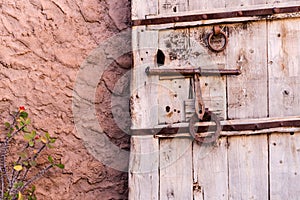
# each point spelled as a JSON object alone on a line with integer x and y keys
{"x": 191, "y": 71}
{"x": 227, "y": 127}
{"x": 207, "y": 16}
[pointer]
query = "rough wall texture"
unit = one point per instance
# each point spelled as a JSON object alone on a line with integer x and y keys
{"x": 42, "y": 45}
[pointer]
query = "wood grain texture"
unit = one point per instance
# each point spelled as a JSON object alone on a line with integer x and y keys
{"x": 284, "y": 166}
{"x": 248, "y": 93}
{"x": 210, "y": 171}
{"x": 140, "y": 9}
{"x": 143, "y": 169}
{"x": 176, "y": 179}
{"x": 284, "y": 71}
{"x": 144, "y": 88}
{"x": 248, "y": 167}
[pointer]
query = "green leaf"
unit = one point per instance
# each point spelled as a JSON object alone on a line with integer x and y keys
{"x": 50, "y": 159}
{"x": 7, "y": 125}
{"x": 32, "y": 163}
{"x": 27, "y": 122}
{"x": 28, "y": 137}
{"x": 23, "y": 155}
{"x": 61, "y": 166}
{"x": 52, "y": 140}
{"x": 18, "y": 184}
{"x": 31, "y": 143}
{"x": 25, "y": 163}
{"x": 48, "y": 136}
{"x": 50, "y": 146}
{"x": 24, "y": 115}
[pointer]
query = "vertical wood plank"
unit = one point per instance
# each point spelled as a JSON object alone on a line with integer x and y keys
{"x": 284, "y": 71}
{"x": 214, "y": 87}
{"x": 210, "y": 171}
{"x": 144, "y": 104}
{"x": 248, "y": 93}
{"x": 143, "y": 169}
{"x": 176, "y": 180}
{"x": 172, "y": 6}
{"x": 284, "y": 166}
{"x": 248, "y": 167}
{"x": 142, "y": 8}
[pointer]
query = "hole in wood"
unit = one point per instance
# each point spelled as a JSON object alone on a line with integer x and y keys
{"x": 174, "y": 9}
{"x": 142, "y": 59}
{"x": 168, "y": 108}
{"x": 160, "y": 57}
{"x": 285, "y": 92}
{"x": 292, "y": 133}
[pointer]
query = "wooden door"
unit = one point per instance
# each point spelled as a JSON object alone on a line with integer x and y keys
{"x": 261, "y": 163}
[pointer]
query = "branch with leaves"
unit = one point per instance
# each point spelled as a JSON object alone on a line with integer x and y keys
{"x": 17, "y": 177}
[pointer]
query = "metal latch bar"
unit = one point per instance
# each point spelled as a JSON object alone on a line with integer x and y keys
{"x": 192, "y": 71}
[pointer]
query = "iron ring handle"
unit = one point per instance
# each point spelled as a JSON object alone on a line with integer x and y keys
{"x": 214, "y": 33}
{"x": 210, "y": 116}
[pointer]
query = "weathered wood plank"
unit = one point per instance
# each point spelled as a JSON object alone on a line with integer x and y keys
{"x": 144, "y": 104}
{"x": 248, "y": 167}
{"x": 143, "y": 169}
{"x": 176, "y": 179}
{"x": 284, "y": 166}
{"x": 213, "y": 88}
{"x": 140, "y": 9}
{"x": 248, "y": 93}
{"x": 284, "y": 71}
{"x": 210, "y": 171}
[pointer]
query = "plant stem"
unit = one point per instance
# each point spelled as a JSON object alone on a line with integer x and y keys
{"x": 38, "y": 175}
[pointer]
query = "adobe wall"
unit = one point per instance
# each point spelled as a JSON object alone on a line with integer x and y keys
{"x": 42, "y": 46}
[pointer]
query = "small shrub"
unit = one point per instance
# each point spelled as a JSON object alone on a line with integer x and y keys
{"x": 20, "y": 149}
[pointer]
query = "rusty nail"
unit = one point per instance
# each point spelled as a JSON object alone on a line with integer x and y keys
{"x": 240, "y": 13}
{"x": 204, "y": 16}
{"x": 276, "y": 10}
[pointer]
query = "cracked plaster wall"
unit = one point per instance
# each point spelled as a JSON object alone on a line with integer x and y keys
{"x": 42, "y": 44}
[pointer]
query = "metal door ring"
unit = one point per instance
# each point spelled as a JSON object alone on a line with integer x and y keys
{"x": 209, "y": 116}
{"x": 217, "y": 33}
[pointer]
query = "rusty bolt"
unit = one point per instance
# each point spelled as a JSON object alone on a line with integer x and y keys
{"x": 276, "y": 10}
{"x": 204, "y": 16}
{"x": 240, "y": 13}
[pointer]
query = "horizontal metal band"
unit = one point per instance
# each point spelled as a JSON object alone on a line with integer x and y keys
{"x": 220, "y": 15}
{"x": 229, "y": 125}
